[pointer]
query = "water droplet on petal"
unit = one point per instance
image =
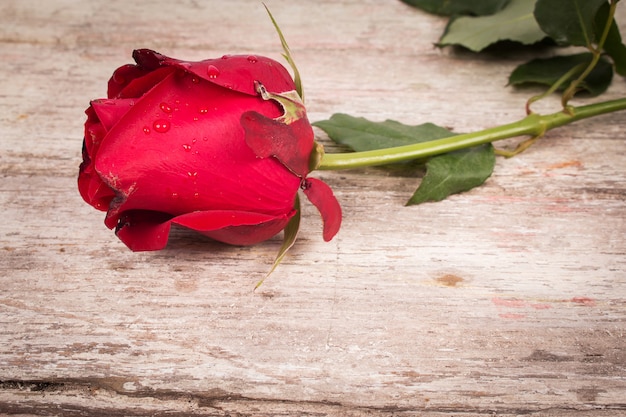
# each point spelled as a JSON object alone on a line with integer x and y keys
{"x": 146, "y": 130}
{"x": 204, "y": 111}
{"x": 165, "y": 107}
{"x": 192, "y": 175}
{"x": 204, "y": 138}
{"x": 212, "y": 71}
{"x": 195, "y": 119}
{"x": 174, "y": 195}
{"x": 252, "y": 58}
{"x": 225, "y": 56}
{"x": 194, "y": 140}
{"x": 161, "y": 125}
{"x": 195, "y": 80}
{"x": 187, "y": 147}
{"x": 196, "y": 195}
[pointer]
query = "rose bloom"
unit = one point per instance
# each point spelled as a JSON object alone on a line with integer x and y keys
{"x": 220, "y": 146}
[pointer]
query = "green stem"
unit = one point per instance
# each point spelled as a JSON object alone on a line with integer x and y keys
{"x": 569, "y": 74}
{"x": 533, "y": 125}
{"x": 596, "y": 54}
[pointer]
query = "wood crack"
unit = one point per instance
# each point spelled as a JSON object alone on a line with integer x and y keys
{"x": 37, "y": 396}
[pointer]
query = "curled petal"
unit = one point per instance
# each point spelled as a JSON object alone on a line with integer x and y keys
{"x": 148, "y": 59}
{"x": 122, "y": 77}
{"x": 90, "y": 185}
{"x": 143, "y": 230}
{"x": 291, "y": 143}
{"x": 92, "y": 189}
{"x": 323, "y": 198}
{"x": 235, "y": 72}
{"x": 109, "y": 112}
{"x": 140, "y": 86}
{"x": 235, "y": 228}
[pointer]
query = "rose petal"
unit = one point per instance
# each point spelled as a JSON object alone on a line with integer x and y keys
{"x": 235, "y": 228}
{"x": 122, "y": 77}
{"x": 92, "y": 189}
{"x": 139, "y": 86}
{"x": 144, "y": 230}
{"x": 235, "y": 72}
{"x": 148, "y": 59}
{"x": 110, "y": 111}
{"x": 94, "y": 132}
{"x": 323, "y": 198}
{"x": 290, "y": 144}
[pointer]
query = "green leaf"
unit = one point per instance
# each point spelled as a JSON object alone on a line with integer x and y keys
{"x": 613, "y": 45}
{"x": 361, "y": 134}
{"x": 455, "y": 7}
{"x": 569, "y": 22}
{"x": 454, "y": 173}
{"x": 547, "y": 71}
{"x": 513, "y": 23}
{"x": 445, "y": 174}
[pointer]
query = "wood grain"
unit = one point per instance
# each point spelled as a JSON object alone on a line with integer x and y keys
{"x": 507, "y": 300}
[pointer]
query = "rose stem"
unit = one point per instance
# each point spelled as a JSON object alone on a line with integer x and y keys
{"x": 533, "y": 125}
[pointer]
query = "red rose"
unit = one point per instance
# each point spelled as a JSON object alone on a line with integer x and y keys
{"x": 220, "y": 146}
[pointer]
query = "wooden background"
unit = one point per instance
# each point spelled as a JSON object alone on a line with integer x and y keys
{"x": 507, "y": 300}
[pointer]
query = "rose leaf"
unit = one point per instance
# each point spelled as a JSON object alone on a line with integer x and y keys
{"x": 569, "y": 22}
{"x": 515, "y": 23}
{"x": 546, "y": 71}
{"x": 454, "y": 173}
{"x": 360, "y": 134}
{"x": 459, "y": 7}
{"x": 613, "y": 45}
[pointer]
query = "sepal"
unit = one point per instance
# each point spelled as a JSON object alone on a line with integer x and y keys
{"x": 289, "y": 238}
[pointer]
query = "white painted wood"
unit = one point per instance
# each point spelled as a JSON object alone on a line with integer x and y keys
{"x": 507, "y": 300}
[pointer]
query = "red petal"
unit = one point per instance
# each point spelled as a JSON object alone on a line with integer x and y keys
{"x": 235, "y": 228}
{"x": 290, "y": 144}
{"x": 94, "y": 133}
{"x": 122, "y": 77}
{"x": 109, "y": 111}
{"x": 143, "y": 230}
{"x": 92, "y": 189}
{"x": 235, "y": 72}
{"x": 139, "y": 86}
{"x": 148, "y": 59}
{"x": 323, "y": 198}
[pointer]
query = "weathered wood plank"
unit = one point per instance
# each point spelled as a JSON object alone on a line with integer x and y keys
{"x": 506, "y": 300}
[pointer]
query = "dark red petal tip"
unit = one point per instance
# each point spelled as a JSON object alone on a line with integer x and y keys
{"x": 144, "y": 230}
